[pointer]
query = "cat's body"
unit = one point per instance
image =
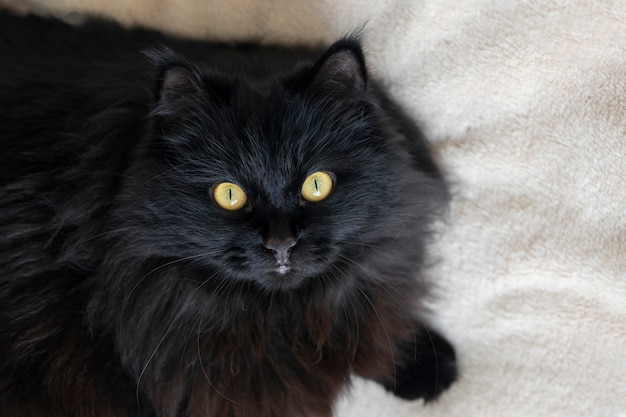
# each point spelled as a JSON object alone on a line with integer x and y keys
{"x": 125, "y": 290}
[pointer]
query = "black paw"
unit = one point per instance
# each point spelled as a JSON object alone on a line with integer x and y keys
{"x": 429, "y": 370}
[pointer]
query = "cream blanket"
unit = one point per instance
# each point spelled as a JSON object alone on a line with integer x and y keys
{"x": 525, "y": 102}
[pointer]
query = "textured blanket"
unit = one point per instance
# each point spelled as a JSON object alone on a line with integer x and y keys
{"x": 525, "y": 102}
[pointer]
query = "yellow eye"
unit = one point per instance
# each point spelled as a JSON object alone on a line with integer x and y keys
{"x": 229, "y": 196}
{"x": 317, "y": 186}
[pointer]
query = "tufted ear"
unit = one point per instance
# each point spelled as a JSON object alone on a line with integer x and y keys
{"x": 181, "y": 86}
{"x": 339, "y": 71}
{"x": 184, "y": 97}
{"x": 178, "y": 84}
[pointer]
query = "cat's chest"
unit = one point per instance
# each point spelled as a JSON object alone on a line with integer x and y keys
{"x": 305, "y": 331}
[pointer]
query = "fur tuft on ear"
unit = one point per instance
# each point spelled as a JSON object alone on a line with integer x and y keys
{"x": 340, "y": 70}
{"x": 176, "y": 80}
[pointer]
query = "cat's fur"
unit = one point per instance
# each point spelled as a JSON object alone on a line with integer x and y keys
{"x": 126, "y": 291}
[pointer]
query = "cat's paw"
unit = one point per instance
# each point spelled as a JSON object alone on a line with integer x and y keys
{"x": 431, "y": 372}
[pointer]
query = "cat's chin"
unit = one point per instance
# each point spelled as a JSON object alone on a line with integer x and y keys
{"x": 283, "y": 270}
{"x": 281, "y": 278}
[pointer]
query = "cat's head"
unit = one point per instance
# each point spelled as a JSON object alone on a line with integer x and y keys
{"x": 284, "y": 182}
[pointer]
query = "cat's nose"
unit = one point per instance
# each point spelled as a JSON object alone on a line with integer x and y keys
{"x": 281, "y": 248}
{"x": 280, "y": 238}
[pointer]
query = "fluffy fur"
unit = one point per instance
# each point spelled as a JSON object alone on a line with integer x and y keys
{"x": 524, "y": 102}
{"x": 126, "y": 291}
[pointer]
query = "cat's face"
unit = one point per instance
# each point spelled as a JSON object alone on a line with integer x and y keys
{"x": 278, "y": 185}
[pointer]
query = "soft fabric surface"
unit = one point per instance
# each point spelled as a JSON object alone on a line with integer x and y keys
{"x": 525, "y": 104}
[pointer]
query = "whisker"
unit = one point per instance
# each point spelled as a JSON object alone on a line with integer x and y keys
{"x": 224, "y": 284}
{"x": 167, "y": 331}
{"x": 173, "y": 168}
{"x": 138, "y": 283}
{"x": 336, "y": 274}
{"x": 145, "y": 367}
{"x": 399, "y": 298}
{"x": 380, "y": 247}
{"x": 391, "y": 347}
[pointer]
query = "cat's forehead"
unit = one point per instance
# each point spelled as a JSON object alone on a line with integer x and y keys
{"x": 282, "y": 132}
{"x": 270, "y": 139}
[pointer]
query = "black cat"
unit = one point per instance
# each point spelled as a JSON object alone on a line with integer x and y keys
{"x": 218, "y": 231}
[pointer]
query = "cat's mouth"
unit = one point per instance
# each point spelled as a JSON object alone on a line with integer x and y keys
{"x": 283, "y": 277}
{"x": 283, "y": 269}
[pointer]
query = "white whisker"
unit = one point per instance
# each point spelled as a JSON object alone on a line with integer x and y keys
{"x": 138, "y": 283}
{"x": 224, "y": 284}
{"x": 391, "y": 347}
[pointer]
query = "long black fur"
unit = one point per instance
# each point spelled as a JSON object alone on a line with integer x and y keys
{"x": 125, "y": 290}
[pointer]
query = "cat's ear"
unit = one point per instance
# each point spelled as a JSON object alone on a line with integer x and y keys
{"x": 178, "y": 84}
{"x": 181, "y": 86}
{"x": 340, "y": 70}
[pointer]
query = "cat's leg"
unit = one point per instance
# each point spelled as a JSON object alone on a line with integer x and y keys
{"x": 426, "y": 368}
{"x": 412, "y": 362}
